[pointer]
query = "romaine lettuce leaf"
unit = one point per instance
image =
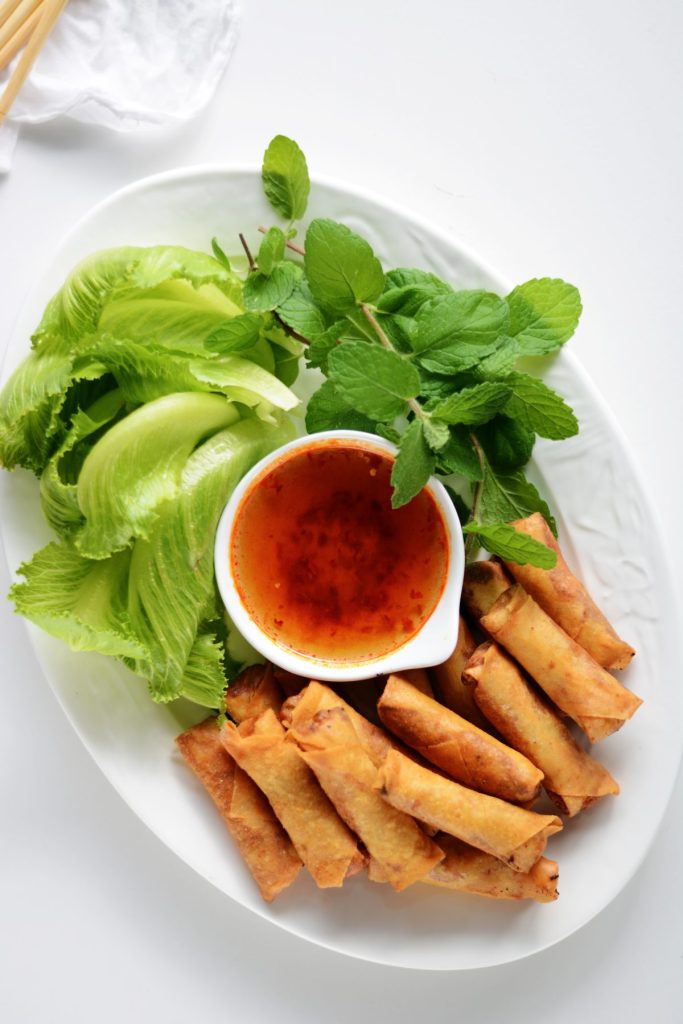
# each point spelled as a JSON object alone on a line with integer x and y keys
{"x": 171, "y": 584}
{"x": 144, "y": 373}
{"x": 137, "y": 465}
{"x": 74, "y": 311}
{"x": 79, "y": 601}
{"x": 58, "y": 489}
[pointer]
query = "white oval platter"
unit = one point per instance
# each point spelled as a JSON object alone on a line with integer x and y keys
{"x": 606, "y": 531}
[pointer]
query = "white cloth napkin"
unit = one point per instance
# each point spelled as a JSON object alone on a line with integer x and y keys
{"x": 125, "y": 64}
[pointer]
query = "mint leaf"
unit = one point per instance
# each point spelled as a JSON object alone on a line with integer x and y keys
{"x": 388, "y": 432}
{"x": 458, "y": 456}
{"x": 300, "y": 312}
{"x": 501, "y": 362}
{"x": 271, "y": 250}
{"x": 436, "y": 434}
{"x": 262, "y": 293}
{"x": 285, "y": 178}
{"x": 235, "y": 335}
{"x": 400, "y": 330}
{"x": 539, "y": 408}
{"x": 413, "y": 467}
{"x": 327, "y": 410}
{"x": 401, "y": 277}
{"x": 372, "y": 380}
{"x": 456, "y": 331}
{"x": 508, "y": 496}
{"x": 503, "y": 540}
{"x": 408, "y": 299}
{"x": 219, "y": 254}
{"x": 473, "y": 405}
{"x": 544, "y": 314}
{"x": 341, "y": 268}
{"x": 287, "y": 365}
{"x": 507, "y": 444}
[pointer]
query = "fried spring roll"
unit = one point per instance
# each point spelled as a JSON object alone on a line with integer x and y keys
{"x": 469, "y": 870}
{"x": 330, "y": 748}
{"x": 320, "y": 837}
{"x": 252, "y": 693}
{"x": 419, "y": 678}
{"x": 468, "y": 754}
{"x": 483, "y": 584}
{"x": 573, "y": 779}
{"x": 511, "y": 834}
{"x": 317, "y": 697}
{"x": 451, "y": 689}
{"x": 265, "y": 846}
{"x": 567, "y": 601}
{"x": 579, "y": 687}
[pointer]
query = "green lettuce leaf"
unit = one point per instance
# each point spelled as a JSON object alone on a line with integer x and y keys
{"x": 171, "y": 587}
{"x": 74, "y": 311}
{"x": 137, "y": 465}
{"x": 58, "y": 487}
{"x": 79, "y": 601}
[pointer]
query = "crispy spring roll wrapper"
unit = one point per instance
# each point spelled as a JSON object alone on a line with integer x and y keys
{"x": 483, "y": 584}
{"x": 581, "y": 688}
{"x": 573, "y": 779}
{"x": 451, "y": 689}
{"x": 320, "y": 837}
{"x": 511, "y": 834}
{"x": 318, "y": 697}
{"x": 468, "y": 870}
{"x": 468, "y": 754}
{"x": 419, "y": 678}
{"x": 566, "y": 600}
{"x": 262, "y": 841}
{"x": 346, "y": 773}
{"x": 252, "y": 693}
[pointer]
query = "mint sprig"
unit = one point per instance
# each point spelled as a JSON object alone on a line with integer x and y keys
{"x": 410, "y": 357}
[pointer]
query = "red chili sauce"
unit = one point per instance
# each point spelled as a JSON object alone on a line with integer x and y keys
{"x": 325, "y": 566}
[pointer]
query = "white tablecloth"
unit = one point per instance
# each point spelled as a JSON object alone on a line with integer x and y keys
{"x": 546, "y": 136}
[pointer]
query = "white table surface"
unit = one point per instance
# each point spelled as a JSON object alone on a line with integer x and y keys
{"x": 548, "y": 137}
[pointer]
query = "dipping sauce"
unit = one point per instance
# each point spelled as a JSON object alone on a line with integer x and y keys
{"x": 325, "y": 566}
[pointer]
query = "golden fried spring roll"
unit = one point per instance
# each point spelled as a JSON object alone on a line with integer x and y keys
{"x": 262, "y": 841}
{"x": 468, "y": 870}
{"x": 318, "y": 697}
{"x": 468, "y": 754}
{"x": 511, "y": 834}
{"x": 252, "y": 693}
{"x": 567, "y": 601}
{"x": 320, "y": 837}
{"x": 451, "y": 689}
{"x": 419, "y": 678}
{"x": 573, "y": 779}
{"x": 346, "y": 773}
{"x": 579, "y": 687}
{"x": 483, "y": 584}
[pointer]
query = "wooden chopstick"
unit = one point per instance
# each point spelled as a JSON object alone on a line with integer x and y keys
{"x": 50, "y": 12}
{"x": 7, "y": 8}
{"x": 23, "y": 10}
{"x": 9, "y": 51}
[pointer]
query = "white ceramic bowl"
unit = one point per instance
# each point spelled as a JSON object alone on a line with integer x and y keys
{"x": 434, "y": 641}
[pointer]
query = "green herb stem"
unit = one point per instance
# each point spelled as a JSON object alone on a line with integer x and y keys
{"x": 290, "y": 245}
{"x": 413, "y": 404}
